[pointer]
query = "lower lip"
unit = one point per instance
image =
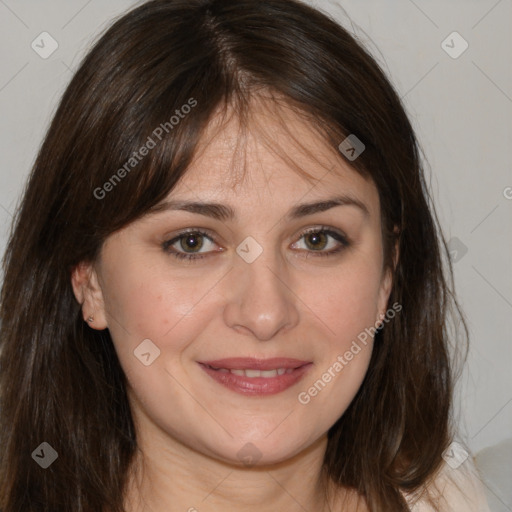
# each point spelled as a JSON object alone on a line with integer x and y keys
{"x": 257, "y": 385}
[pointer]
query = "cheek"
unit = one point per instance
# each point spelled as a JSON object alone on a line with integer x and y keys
{"x": 347, "y": 301}
{"x": 347, "y": 306}
{"x": 147, "y": 300}
{"x": 169, "y": 307}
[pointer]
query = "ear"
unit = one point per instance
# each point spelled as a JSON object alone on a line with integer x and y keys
{"x": 88, "y": 293}
{"x": 386, "y": 285}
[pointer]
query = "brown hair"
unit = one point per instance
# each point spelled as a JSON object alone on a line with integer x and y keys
{"x": 61, "y": 382}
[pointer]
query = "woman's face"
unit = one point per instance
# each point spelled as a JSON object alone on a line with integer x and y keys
{"x": 259, "y": 289}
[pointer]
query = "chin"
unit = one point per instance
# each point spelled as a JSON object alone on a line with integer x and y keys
{"x": 259, "y": 450}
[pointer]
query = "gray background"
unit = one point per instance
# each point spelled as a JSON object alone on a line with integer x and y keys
{"x": 460, "y": 107}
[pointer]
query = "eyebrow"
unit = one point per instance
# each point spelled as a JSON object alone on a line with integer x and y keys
{"x": 224, "y": 212}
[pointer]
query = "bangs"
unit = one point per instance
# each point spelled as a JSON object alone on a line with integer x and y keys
{"x": 146, "y": 112}
{"x": 162, "y": 151}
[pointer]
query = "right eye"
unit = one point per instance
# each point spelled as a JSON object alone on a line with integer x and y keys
{"x": 190, "y": 239}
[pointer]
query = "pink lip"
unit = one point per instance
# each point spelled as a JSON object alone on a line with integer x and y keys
{"x": 257, "y": 385}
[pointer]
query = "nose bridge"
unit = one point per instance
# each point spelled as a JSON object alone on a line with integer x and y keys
{"x": 260, "y": 300}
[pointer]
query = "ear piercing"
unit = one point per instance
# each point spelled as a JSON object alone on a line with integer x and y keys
{"x": 90, "y": 319}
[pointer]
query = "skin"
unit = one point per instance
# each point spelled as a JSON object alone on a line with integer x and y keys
{"x": 190, "y": 428}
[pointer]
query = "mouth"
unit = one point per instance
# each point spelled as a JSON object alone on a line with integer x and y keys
{"x": 256, "y": 376}
{"x": 251, "y": 373}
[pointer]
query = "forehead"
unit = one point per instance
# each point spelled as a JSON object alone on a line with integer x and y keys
{"x": 275, "y": 155}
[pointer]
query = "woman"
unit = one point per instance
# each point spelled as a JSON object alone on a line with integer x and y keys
{"x": 224, "y": 288}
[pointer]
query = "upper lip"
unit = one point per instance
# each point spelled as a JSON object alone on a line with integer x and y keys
{"x": 251, "y": 363}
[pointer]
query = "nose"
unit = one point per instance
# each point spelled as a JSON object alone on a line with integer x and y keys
{"x": 260, "y": 302}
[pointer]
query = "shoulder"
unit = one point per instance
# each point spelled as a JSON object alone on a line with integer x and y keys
{"x": 454, "y": 488}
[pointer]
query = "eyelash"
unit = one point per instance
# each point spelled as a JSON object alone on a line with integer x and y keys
{"x": 196, "y": 256}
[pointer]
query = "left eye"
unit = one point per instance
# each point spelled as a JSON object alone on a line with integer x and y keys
{"x": 192, "y": 241}
{"x": 317, "y": 239}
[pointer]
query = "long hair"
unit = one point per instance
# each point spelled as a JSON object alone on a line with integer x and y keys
{"x": 155, "y": 78}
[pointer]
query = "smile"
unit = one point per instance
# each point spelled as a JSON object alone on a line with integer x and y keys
{"x": 255, "y": 373}
{"x": 256, "y": 377}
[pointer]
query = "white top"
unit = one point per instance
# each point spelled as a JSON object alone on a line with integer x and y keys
{"x": 459, "y": 489}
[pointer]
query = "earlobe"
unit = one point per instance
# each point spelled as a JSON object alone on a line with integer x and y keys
{"x": 88, "y": 293}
